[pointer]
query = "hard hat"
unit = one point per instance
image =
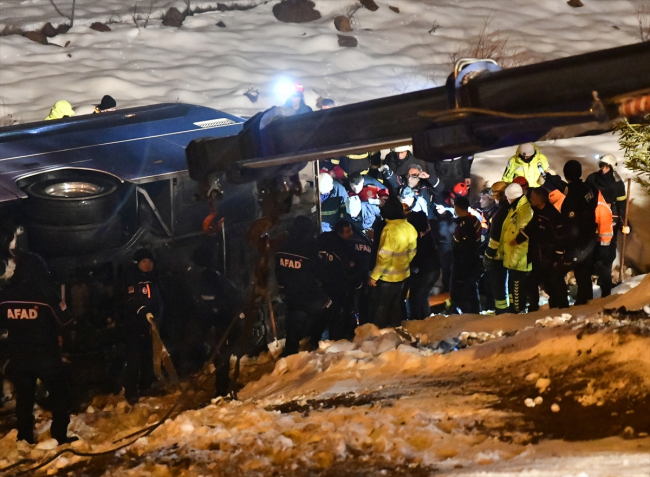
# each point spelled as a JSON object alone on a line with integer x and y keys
{"x": 498, "y": 188}
{"x": 460, "y": 189}
{"x": 521, "y": 181}
{"x": 402, "y": 148}
{"x": 325, "y": 183}
{"x": 528, "y": 149}
{"x": 514, "y": 191}
{"x": 609, "y": 159}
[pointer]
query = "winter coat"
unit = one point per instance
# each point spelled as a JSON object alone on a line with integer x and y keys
{"x": 333, "y": 206}
{"x": 397, "y": 247}
{"x": 515, "y": 257}
{"x": 579, "y": 213}
{"x": 545, "y": 235}
{"x": 339, "y": 273}
{"x": 466, "y": 243}
{"x": 529, "y": 169}
{"x": 33, "y": 314}
{"x": 361, "y": 251}
{"x": 142, "y": 296}
{"x": 426, "y": 258}
{"x": 605, "y": 228}
{"x": 401, "y": 167}
{"x": 455, "y": 170}
{"x": 613, "y": 189}
{"x": 429, "y": 189}
{"x": 494, "y": 250}
{"x": 61, "y": 109}
{"x": 298, "y": 272}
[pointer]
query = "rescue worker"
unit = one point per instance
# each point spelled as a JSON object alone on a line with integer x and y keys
{"x": 487, "y": 206}
{"x": 142, "y": 298}
{"x": 340, "y": 279}
{"x": 61, "y": 109}
{"x": 358, "y": 182}
{"x": 579, "y": 214}
{"x": 297, "y": 100}
{"x": 605, "y": 248}
{"x": 400, "y": 159}
{"x": 466, "y": 268}
{"x": 515, "y": 255}
{"x": 357, "y": 163}
{"x": 107, "y": 104}
{"x": 34, "y": 314}
{"x": 496, "y": 274}
{"x": 546, "y": 243}
{"x": 454, "y": 170}
{"x": 219, "y": 302}
{"x": 332, "y": 198}
{"x": 297, "y": 272}
{"x": 613, "y": 191}
{"x": 361, "y": 252}
{"x": 397, "y": 247}
{"x": 528, "y": 162}
{"x": 425, "y": 185}
{"x": 425, "y": 266}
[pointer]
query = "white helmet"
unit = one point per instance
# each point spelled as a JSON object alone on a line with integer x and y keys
{"x": 325, "y": 183}
{"x": 402, "y": 148}
{"x": 514, "y": 191}
{"x": 609, "y": 159}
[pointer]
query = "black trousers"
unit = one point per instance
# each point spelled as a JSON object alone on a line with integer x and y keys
{"x": 222, "y": 359}
{"x": 551, "y": 279}
{"x": 464, "y": 293}
{"x": 385, "y": 306}
{"x": 517, "y": 290}
{"x": 603, "y": 267}
{"x": 446, "y": 260}
{"x": 420, "y": 287}
{"x": 583, "y": 272}
{"x": 301, "y": 323}
{"x": 53, "y": 377}
{"x": 139, "y": 375}
{"x": 497, "y": 278}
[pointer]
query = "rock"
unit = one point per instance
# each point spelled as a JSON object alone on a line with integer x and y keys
{"x": 173, "y": 18}
{"x": 395, "y": 9}
{"x": 347, "y": 41}
{"x": 47, "y": 444}
{"x": 62, "y": 28}
{"x": 388, "y": 342}
{"x": 555, "y": 407}
{"x": 529, "y": 402}
{"x": 575, "y": 3}
{"x": 542, "y": 384}
{"x": 49, "y": 31}
{"x": 340, "y": 346}
{"x": 295, "y": 11}
{"x": 221, "y": 24}
{"x": 37, "y": 36}
{"x": 366, "y": 332}
{"x": 532, "y": 377}
{"x": 628, "y": 433}
{"x": 538, "y": 400}
{"x": 99, "y": 26}
{"x": 342, "y": 23}
{"x": 370, "y": 5}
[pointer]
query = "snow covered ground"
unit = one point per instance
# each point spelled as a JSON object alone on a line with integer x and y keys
{"x": 378, "y": 406}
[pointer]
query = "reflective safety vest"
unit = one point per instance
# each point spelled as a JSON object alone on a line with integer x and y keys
{"x": 604, "y": 221}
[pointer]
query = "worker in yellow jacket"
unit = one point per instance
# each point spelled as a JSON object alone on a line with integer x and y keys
{"x": 397, "y": 247}
{"x": 528, "y": 162}
{"x": 61, "y": 109}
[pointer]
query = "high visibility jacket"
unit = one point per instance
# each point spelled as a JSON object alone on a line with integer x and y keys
{"x": 397, "y": 247}
{"x": 60, "y": 110}
{"x": 604, "y": 222}
{"x": 515, "y": 257}
{"x": 517, "y": 167}
{"x": 555, "y": 197}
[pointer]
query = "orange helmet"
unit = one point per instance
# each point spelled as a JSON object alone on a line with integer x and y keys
{"x": 460, "y": 189}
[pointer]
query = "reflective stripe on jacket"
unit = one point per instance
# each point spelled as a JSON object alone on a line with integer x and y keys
{"x": 397, "y": 247}
{"x": 529, "y": 170}
{"x": 515, "y": 257}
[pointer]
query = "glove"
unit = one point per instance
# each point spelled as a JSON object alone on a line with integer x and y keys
{"x": 625, "y": 229}
{"x": 383, "y": 168}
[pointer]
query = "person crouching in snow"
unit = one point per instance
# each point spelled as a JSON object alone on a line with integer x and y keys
{"x": 61, "y": 109}
{"x": 107, "y": 104}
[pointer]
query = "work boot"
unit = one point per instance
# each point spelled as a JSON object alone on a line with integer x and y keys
{"x": 66, "y": 440}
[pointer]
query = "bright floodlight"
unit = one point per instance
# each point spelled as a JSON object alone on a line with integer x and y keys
{"x": 283, "y": 89}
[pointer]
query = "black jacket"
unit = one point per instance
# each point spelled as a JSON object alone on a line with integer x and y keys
{"x": 33, "y": 314}
{"x": 401, "y": 167}
{"x": 430, "y": 189}
{"x": 298, "y": 274}
{"x": 339, "y": 272}
{"x": 613, "y": 189}
{"x": 142, "y": 296}
{"x": 426, "y": 258}
{"x": 466, "y": 242}
{"x": 495, "y": 226}
{"x": 545, "y": 235}
{"x": 579, "y": 215}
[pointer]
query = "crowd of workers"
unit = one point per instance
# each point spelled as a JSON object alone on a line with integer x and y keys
{"x": 392, "y": 228}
